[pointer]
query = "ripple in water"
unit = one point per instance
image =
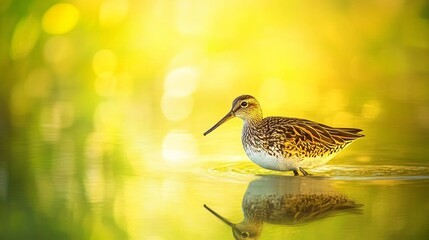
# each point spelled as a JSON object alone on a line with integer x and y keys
{"x": 344, "y": 172}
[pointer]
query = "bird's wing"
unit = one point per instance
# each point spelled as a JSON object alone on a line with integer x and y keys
{"x": 301, "y": 130}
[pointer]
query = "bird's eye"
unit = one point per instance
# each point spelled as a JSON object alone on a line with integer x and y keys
{"x": 244, "y": 234}
{"x": 244, "y": 104}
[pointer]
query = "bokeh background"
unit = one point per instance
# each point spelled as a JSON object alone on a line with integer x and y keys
{"x": 103, "y": 103}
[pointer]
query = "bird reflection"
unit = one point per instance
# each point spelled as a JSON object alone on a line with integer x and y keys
{"x": 285, "y": 200}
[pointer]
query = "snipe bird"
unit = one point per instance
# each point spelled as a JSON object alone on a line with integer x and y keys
{"x": 283, "y": 143}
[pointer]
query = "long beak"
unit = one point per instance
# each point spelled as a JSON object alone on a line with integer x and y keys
{"x": 219, "y": 216}
{"x": 224, "y": 119}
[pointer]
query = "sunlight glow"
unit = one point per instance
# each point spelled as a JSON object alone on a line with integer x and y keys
{"x": 179, "y": 147}
{"x": 60, "y": 18}
{"x": 176, "y": 108}
{"x": 179, "y": 84}
{"x": 193, "y": 16}
{"x": 113, "y": 12}
{"x": 181, "y": 81}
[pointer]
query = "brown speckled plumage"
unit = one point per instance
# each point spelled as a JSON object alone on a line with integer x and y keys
{"x": 282, "y": 143}
{"x": 296, "y": 208}
{"x": 297, "y": 137}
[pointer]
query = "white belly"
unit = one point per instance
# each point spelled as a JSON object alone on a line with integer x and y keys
{"x": 280, "y": 163}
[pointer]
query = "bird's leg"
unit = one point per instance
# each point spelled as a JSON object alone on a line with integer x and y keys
{"x": 295, "y": 173}
{"x": 303, "y": 171}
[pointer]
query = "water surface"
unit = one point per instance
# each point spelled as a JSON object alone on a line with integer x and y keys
{"x": 48, "y": 191}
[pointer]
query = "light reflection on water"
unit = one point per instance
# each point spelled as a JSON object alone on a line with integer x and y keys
{"x": 100, "y": 190}
{"x": 383, "y": 198}
{"x": 287, "y": 201}
{"x": 123, "y": 180}
{"x": 353, "y": 172}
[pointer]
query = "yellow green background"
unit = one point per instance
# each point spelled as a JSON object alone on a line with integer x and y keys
{"x": 103, "y": 105}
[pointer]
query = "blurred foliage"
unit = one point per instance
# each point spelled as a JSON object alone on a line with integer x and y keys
{"x": 93, "y": 93}
{"x": 364, "y": 59}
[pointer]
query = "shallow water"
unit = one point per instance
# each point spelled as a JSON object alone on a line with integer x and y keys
{"x": 390, "y": 208}
{"x": 48, "y": 191}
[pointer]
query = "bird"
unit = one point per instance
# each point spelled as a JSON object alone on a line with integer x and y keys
{"x": 285, "y": 143}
